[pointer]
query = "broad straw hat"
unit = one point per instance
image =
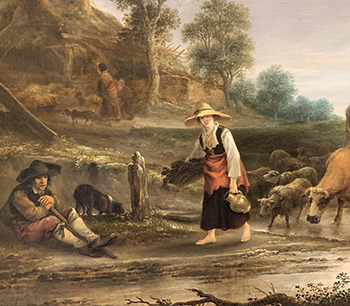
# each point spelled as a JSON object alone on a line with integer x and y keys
{"x": 204, "y": 109}
{"x": 37, "y": 168}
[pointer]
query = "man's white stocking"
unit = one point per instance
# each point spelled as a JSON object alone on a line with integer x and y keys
{"x": 78, "y": 225}
{"x": 65, "y": 236}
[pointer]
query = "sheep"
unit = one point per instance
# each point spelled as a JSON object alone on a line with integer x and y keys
{"x": 259, "y": 188}
{"x": 283, "y": 199}
{"x": 276, "y": 178}
{"x": 281, "y": 161}
{"x": 319, "y": 163}
{"x": 321, "y": 147}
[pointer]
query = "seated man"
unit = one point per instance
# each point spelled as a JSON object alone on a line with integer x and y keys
{"x": 27, "y": 212}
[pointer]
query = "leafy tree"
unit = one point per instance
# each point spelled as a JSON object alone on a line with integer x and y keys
{"x": 150, "y": 22}
{"x": 244, "y": 91}
{"x": 275, "y": 89}
{"x": 303, "y": 107}
{"x": 297, "y": 110}
{"x": 220, "y": 49}
{"x": 322, "y": 109}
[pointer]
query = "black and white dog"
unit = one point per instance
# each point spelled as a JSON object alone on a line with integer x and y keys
{"x": 88, "y": 198}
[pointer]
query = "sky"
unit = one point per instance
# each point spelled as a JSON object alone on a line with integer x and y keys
{"x": 308, "y": 38}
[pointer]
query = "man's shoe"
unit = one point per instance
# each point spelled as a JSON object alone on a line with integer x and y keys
{"x": 89, "y": 251}
{"x": 103, "y": 240}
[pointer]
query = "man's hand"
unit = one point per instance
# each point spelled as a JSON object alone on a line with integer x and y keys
{"x": 46, "y": 201}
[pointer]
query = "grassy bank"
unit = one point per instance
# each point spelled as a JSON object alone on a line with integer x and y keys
{"x": 257, "y": 142}
{"x": 264, "y": 138}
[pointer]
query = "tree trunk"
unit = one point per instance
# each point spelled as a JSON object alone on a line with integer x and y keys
{"x": 24, "y": 116}
{"x": 137, "y": 177}
{"x": 226, "y": 90}
{"x": 275, "y": 112}
{"x": 152, "y": 70}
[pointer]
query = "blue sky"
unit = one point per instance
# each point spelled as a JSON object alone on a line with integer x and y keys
{"x": 310, "y": 39}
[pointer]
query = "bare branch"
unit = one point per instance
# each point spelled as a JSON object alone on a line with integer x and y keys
{"x": 140, "y": 301}
{"x": 280, "y": 298}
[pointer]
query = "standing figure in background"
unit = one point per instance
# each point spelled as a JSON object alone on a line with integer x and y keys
{"x": 107, "y": 90}
{"x": 223, "y": 172}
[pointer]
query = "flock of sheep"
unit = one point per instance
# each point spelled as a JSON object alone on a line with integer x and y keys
{"x": 279, "y": 190}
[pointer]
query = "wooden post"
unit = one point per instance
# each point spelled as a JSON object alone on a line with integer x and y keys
{"x": 137, "y": 178}
{"x": 24, "y": 116}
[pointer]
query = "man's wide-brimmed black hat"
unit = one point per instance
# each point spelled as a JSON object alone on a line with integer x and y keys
{"x": 37, "y": 168}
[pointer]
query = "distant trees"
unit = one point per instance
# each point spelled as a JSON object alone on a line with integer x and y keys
{"x": 272, "y": 95}
{"x": 275, "y": 89}
{"x": 302, "y": 107}
{"x": 220, "y": 49}
{"x": 150, "y": 22}
{"x": 322, "y": 109}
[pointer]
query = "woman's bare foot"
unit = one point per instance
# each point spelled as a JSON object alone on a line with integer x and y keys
{"x": 246, "y": 232}
{"x": 206, "y": 240}
{"x": 210, "y": 238}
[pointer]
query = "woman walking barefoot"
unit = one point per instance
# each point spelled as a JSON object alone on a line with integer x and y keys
{"x": 223, "y": 171}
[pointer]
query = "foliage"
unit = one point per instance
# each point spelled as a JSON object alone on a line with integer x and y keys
{"x": 318, "y": 110}
{"x": 129, "y": 69}
{"x": 220, "y": 48}
{"x": 322, "y": 109}
{"x": 149, "y": 21}
{"x": 244, "y": 91}
{"x": 337, "y": 295}
{"x": 276, "y": 88}
{"x": 297, "y": 110}
{"x": 168, "y": 20}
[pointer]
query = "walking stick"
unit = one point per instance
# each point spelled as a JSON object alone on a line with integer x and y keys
{"x": 76, "y": 234}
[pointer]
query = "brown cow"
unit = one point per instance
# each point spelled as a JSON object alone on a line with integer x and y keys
{"x": 335, "y": 183}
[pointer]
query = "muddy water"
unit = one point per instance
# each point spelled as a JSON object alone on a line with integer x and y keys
{"x": 230, "y": 270}
{"x": 236, "y": 289}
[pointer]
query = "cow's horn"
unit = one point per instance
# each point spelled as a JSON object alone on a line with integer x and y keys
{"x": 326, "y": 194}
